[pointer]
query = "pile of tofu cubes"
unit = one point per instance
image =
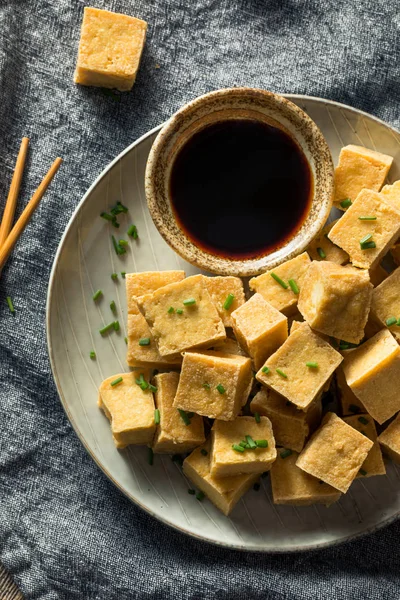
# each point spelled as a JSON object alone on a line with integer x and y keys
{"x": 236, "y": 384}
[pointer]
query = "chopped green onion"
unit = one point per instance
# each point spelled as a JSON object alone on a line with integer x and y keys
{"x": 207, "y": 386}
{"x": 126, "y": 340}
{"x": 114, "y": 276}
{"x": 293, "y": 286}
{"x": 117, "y": 248}
{"x": 228, "y": 302}
{"x": 321, "y": 253}
{"x": 116, "y": 381}
{"x": 118, "y": 208}
{"x": 354, "y": 408}
{"x": 346, "y": 203}
{"x": 152, "y": 388}
{"x": 251, "y": 442}
{"x": 157, "y": 416}
{"x": 221, "y": 388}
{"x": 262, "y": 443}
{"x": 391, "y": 321}
{"x": 141, "y": 382}
{"x": 279, "y": 280}
{"x": 191, "y": 492}
{"x": 204, "y": 452}
{"x": 285, "y": 453}
{"x": 363, "y": 472}
{"x": 237, "y": 448}
{"x": 244, "y": 444}
{"x": 189, "y": 302}
{"x": 123, "y": 273}
{"x": 97, "y": 295}
{"x": 111, "y": 218}
{"x": 92, "y": 354}
{"x": 257, "y": 417}
{"x": 363, "y": 420}
{"x": 265, "y": 369}
{"x": 366, "y": 238}
{"x": 367, "y": 218}
{"x": 184, "y": 416}
{"x": 116, "y": 325}
{"x": 312, "y": 365}
{"x": 106, "y": 328}
{"x": 179, "y": 311}
{"x": 171, "y": 310}
{"x": 398, "y": 322}
{"x": 200, "y": 496}
{"x": 256, "y": 487}
{"x": 123, "y": 243}
{"x": 11, "y": 305}
{"x": 113, "y": 307}
{"x": 150, "y": 456}
{"x": 281, "y": 373}
{"x": 133, "y": 232}
{"x": 368, "y": 245}
{"x": 144, "y": 341}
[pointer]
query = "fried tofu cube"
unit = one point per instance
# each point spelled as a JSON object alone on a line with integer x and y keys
{"x": 110, "y": 49}
{"x": 195, "y": 325}
{"x": 336, "y": 300}
{"x": 385, "y": 305}
{"x": 225, "y": 435}
{"x": 260, "y": 328}
{"x": 219, "y": 289}
{"x": 389, "y": 440}
{"x": 373, "y": 464}
{"x": 214, "y": 384}
{"x": 359, "y": 168}
{"x": 283, "y": 299}
{"x": 230, "y": 346}
{"x": 172, "y": 435}
{"x": 350, "y": 230}
{"x": 290, "y": 425}
{"x": 335, "y": 453}
{"x": 148, "y": 354}
{"x": 377, "y": 275}
{"x": 290, "y": 485}
{"x": 140, "y": 284}
{"x": 349, "y": 403}
{"x": 129, "y": 409}
{"x": 287, "y": 372}
{"x": 392, "y": 194}
{"x": 373, "y": 373}
{"x": 224, "y": 492}
{"x": 321, "y": 248}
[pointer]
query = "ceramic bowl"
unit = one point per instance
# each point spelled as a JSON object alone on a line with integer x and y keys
{"x": 237, "y": 103}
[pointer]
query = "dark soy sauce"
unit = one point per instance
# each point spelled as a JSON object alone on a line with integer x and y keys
{"x": 240, "y": 188}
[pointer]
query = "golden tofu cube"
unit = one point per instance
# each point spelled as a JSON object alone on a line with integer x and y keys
{"x": 349, "y": 403}
{"x": 224, "y": 492}
{"x": 335, "y": 453}
{"x": 110, "y": 48}
{"x": 335, "y": 300}
{"x": 287, "y": 372}
{"x": 290, "y": 425}
{"x": 260, "y": 328}
{"x": 219, "y": 289}
{"x": 385, "y": 305}
{"x": 173, "y": 436}
{"x": 377, "y": 274}
{"x": 283, "y": 299}
{"x": 229, "y": 346}
{"x": 226, "y": 461}
{"x": 138, "y": 354}
{"x": 359, "y": 168}
{"x": 373, "y": 464}
{"x": 389, "y": 440}
{"x": 350, "y": 231}
{"x": 129, "y": 409}
{"x": 392, "y": 194}
{"x": 321, "y": 248}
{"x": 140, "y": 284}
{"x": 195, "y": 325}
{"x": 290, "y": 485}
{"x": 373, "y": 373}
{"x": 213, "y": 384}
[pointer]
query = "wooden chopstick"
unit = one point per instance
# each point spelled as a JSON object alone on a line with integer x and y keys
{"x": 11, "y": 203}
{"x": 27, "y": 213}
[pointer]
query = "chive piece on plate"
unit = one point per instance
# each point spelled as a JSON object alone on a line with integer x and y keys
{"x": 228, "y": 302}
{"x": 150, "y": 456}
{"x": 191, "y": 492}
{"x": 200, "y": 496}
{"x": 133, "y": 232}
{"x": 346, "y": 203}
{"x": 126, "y": 340}
{"x": 204, "y": 452}
{"x": 144, "y": 341}
{"x": 106, "y": 328}
{"x": 237, "y": 448}
{"x": 184, "y": 416}
{"x": 123, "y": 273}
{"x": 10, "y": 305}
{"x": 116, "y": 381}
{"x": 114, "y": 276}
{"x": 179, "y": 311}
{"x": 321, "y": 253}
{"x": 257, "y": 417}
{"x": 279, "y": 280}
{"x": 285, "y": 453}
{"x": 189, "y": 302}
{"x": 281, "y": 373}
{"x": 354, "y": 408}
{"x": 221, "y": 388}
{"x": 371, "y": 218}
{"x": 251, "y": 442}
{"x": 312, "y": 365}
{"x": 118, "y": 249}
{"x": 118, "y": 208}
{"x": 92, "y": 354}
{"x": 265, "y": 369}
{"x": 363, "y": 420}
{"x": 157, "y": 416}
{"x": 170, "y": 310}
{"x": 123, "y": 243}
{"x": 391, "y": 321}
{"x": 97, "y": 295}
{"x": 116, "y": 325}
{"x": 113, "y": 307}
{"x": 261, "y": 443}
{"x": 293, "y": 286}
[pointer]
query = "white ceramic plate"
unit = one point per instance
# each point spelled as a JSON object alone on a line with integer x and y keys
{"x": 84, "y": 262}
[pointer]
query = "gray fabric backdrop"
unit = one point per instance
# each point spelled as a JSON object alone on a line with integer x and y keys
{"x": 65, "y": 531}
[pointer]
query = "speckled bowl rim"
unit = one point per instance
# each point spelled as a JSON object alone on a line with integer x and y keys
{"x": 158, "y": 169}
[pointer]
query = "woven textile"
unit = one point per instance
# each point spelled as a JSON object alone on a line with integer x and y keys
{"x": 65, "y": 531}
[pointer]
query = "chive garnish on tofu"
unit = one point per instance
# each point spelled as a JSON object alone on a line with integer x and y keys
{"x": 368, "y": 245}
{"x": 141, "y": 382}
{"x": 157, "y": 416}
{"x": 281, "y": 373}
{"x": 113, "y": 307}
{"x": 150, "y": 456}
{"x": 261, "y": 443}
{"x": 152, "y": 388}
{"x": 367, "y": 218}
{"x": 200, "y": 496}
{"x": 133, "y": 232}
{"x": 184, "y": 416}
{"x": 97, "y": 295}
{"x": 92, "y": 354}
{"x": 366, "y": 238}
{"x": 346, "y": 203}
{"x": 363, "y": 472}
{"x": 285, "y": 453}
{"x": 293, "y": 286}
{"x": 144, "y": 341}
{"x": 221, "y": 388}
{"x": 179, "y": 311}
{"x": 228, "y": 302}
{"x": 10, "y": 305}
{"x": 367, "y": 242}
{"x": 391, "y": 321}
{"x": 265, "y": 369}
{"x": 170, "y": 310}
{"x": 237, "y": 448}
{"x": 189, "y": 302}
{"x": 244, "y": 444}
{"x": 114, "y": 276}
{"x": 116, "y": 381}
{"x": 279, "y": 280}
{"x": 116, "y": 325}
{"x": 363, "y": 420}
{"x": 207, "y": 386}
{"x": 251, "y": 442}
{"x": 321, "y": 253}
{"x": 354, "y": 408}
{"x": 204, "y": 452}
{"x": 312, "y": 365}
{"x": 106, "y": 328}
{"x": 123, "y": 273}
{"x": 257, "y": 417}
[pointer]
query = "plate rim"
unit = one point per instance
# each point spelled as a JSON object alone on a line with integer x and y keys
{"x": 131, "y": 497}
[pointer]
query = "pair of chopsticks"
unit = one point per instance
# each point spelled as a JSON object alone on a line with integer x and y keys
{"x": 8, "y": 234}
